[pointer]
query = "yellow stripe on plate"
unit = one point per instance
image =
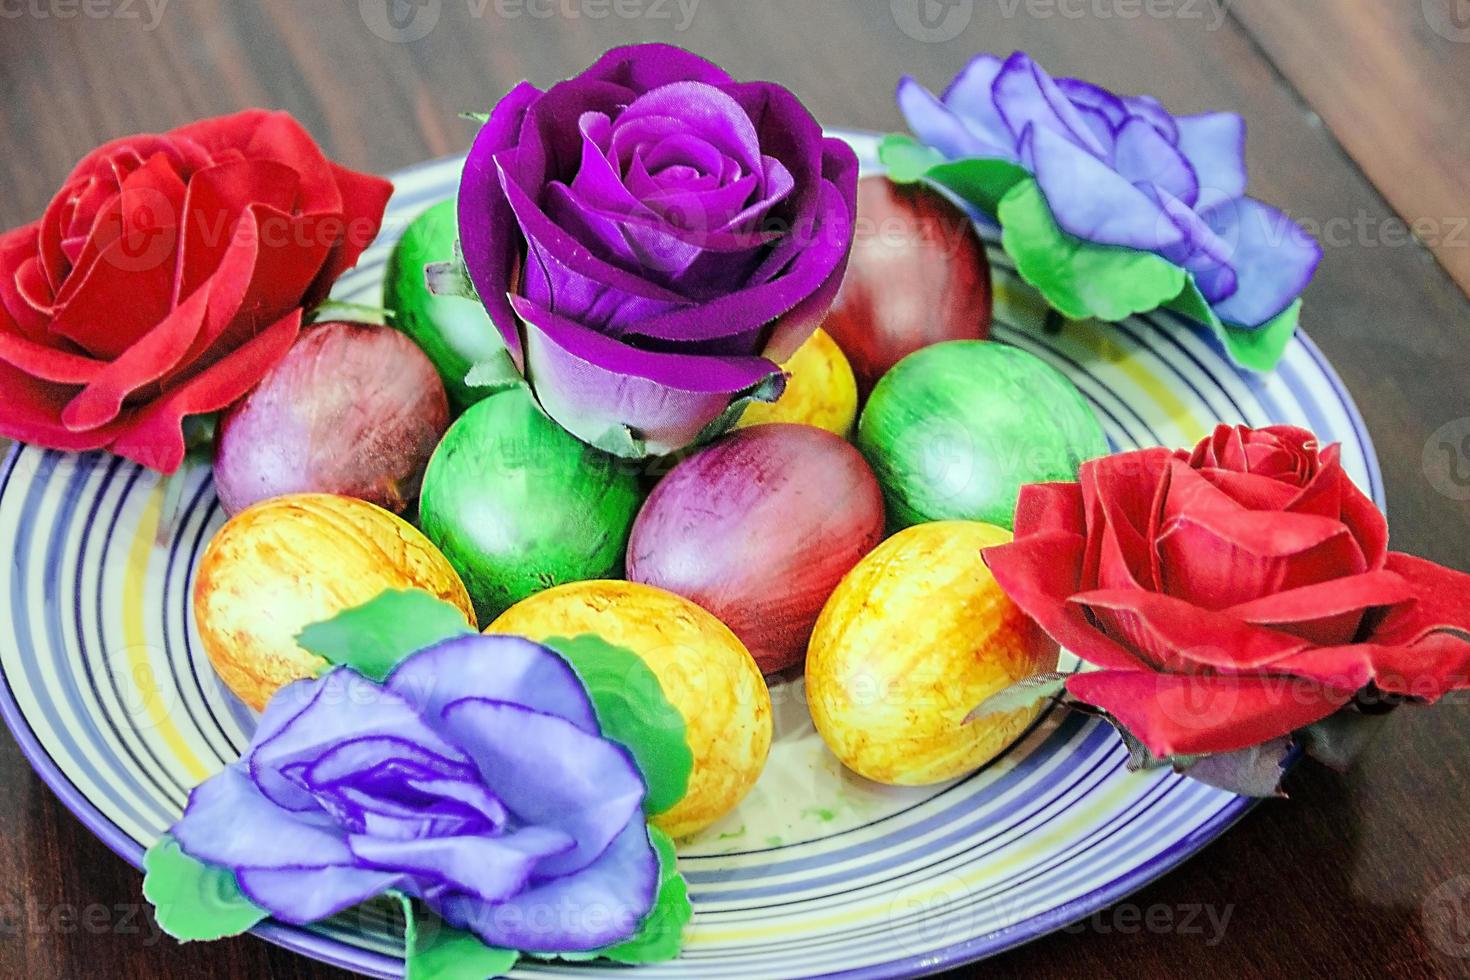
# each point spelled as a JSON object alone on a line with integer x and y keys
{"x": 136, "y": 637}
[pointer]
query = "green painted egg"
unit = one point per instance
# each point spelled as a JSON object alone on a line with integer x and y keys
{"x": 455, "y": 332}
{"x": 518, "y": 505}
{"x": 954, "y": 430}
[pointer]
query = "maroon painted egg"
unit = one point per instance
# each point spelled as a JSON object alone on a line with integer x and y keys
{"x": 759, "y": 528}
{"x": 918, "y": 276}
{"x": 352, "y": 409}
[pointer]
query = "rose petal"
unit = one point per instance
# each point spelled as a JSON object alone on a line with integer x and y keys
{"x": 1427, "y": 669}
{"x": 1325, "y": 613}
{"x": 1201, "y": 251}
{"x": 495, "y": 668}
{"x": 337, "y": 714}
{"x": 31, "y": 412}
{"x": 216, "y": 198}
{"x": 640, "y": 67}
{"x": 1151, "y": 109}
{"x": 1215, "y": 558}
{"x": 591, "y": 383}
{"x": 840, "y": 171}
{"x": 364, "y": 201}
{"x": 229, "y": 823}
{"x": 137, "y": 261}
{"x": 1050, "y": 507}
{"x": 300, "y": 896}
{"x": 1092, "y": 201}
{"x": 1273, "y": 257}
{"x": 1214, "y": 143}
{"x": 46, "y": 363}
{"x": 154, "y": 437}
{"x": 942, "y": 127}
{"x": 1039, "y": 573}
{"x": 488, "y": 235}
{"x": 700, "y": 108}
{"x": 1027, "y": 98}
{"x": 146, "y": 361}
{"x": 1442, "y": 601}
{"x": 1142, "y": 156}
{"x": 1087, "y": 95}
{"x": 808, "y": 285}
{"x": 490, "y": 869}
{"x": 591, "y": 909}
{"x": 1197, "y": 715}
{"x": 550, "y": 774}
{"x": 1175, "y": 635}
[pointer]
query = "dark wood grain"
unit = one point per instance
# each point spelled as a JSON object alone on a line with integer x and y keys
{"x": 1362, "y": 875}
{"x": 1392, "y": 89}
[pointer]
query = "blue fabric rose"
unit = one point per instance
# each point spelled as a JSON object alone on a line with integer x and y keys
{"x": 476, "y": 778}
{"x": 1122, "y": 171}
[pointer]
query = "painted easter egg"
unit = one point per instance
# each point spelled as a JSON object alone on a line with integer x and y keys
{"x": 917, "y": 276}
{"x": 759, "y": 528}
{"x": 956, "y": 429}
{"x": 283, "y": 564}
{"x": 916, "y": 636}
{"x": 352, "y": 409}
{"x": 518, "y": 504}
{"x": 455, "y": 332}
{"x": 820, "y": 390}
{"x": 705, "y": 672}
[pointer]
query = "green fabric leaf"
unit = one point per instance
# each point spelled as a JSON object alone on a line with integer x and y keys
{"x": 660, "y": 936}
{"x": 633, "y": 711}
{"x": 1078, "y": 278}
{"x": 1260, "y": 349}
{"x": 435, "y": 950}
{"x": 979, "y": 181}
{"x": 621, "y": 441}
{"x": 450, "y": 278}
{"x": 193, "y": 900}
{"x": 497, "y": 374}
{"x": 983, "y": 183}
{"x": 906, "y": 159}
{"x": 1022, "y": 694}
{"x": 336, "y": 309}
{"x": 376, "y": 636}
{"x": 1256, "y": 350}
{"x": 767, "y": 390}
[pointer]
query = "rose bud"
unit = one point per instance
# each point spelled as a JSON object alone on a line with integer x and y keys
{"x": 352, "y": 409}
{"x": 917, "y": 276}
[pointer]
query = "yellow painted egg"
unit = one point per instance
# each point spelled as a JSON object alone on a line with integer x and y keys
{"x": 705, "y": 672}
{"x": 291, "y": 561}
{"x": 914, "y": 637}
{"x": 820, "y": 391}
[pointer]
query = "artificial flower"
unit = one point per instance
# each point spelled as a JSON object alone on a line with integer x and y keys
{"x": 166, "y": 276}
{"x": 651, "y": 238}
{"x": 476, "y": 778}
{"x": 1119, "y": 172}
{"x": 1233, "y": 594}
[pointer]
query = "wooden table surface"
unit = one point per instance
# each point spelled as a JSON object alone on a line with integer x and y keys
{"x": 1360, "y": 127}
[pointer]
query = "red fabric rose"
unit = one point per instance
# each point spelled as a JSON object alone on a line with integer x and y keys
{"x": 166, "y": 276}
{"x": 1230, "y": 595}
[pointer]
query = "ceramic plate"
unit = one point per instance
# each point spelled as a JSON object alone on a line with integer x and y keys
{"x": 818, "y": 872}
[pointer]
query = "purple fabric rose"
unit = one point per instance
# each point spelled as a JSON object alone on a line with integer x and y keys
{"x": 478, "y": 782}
{"x": 650, "y": 237}
{"x": 1123, "y": 171}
